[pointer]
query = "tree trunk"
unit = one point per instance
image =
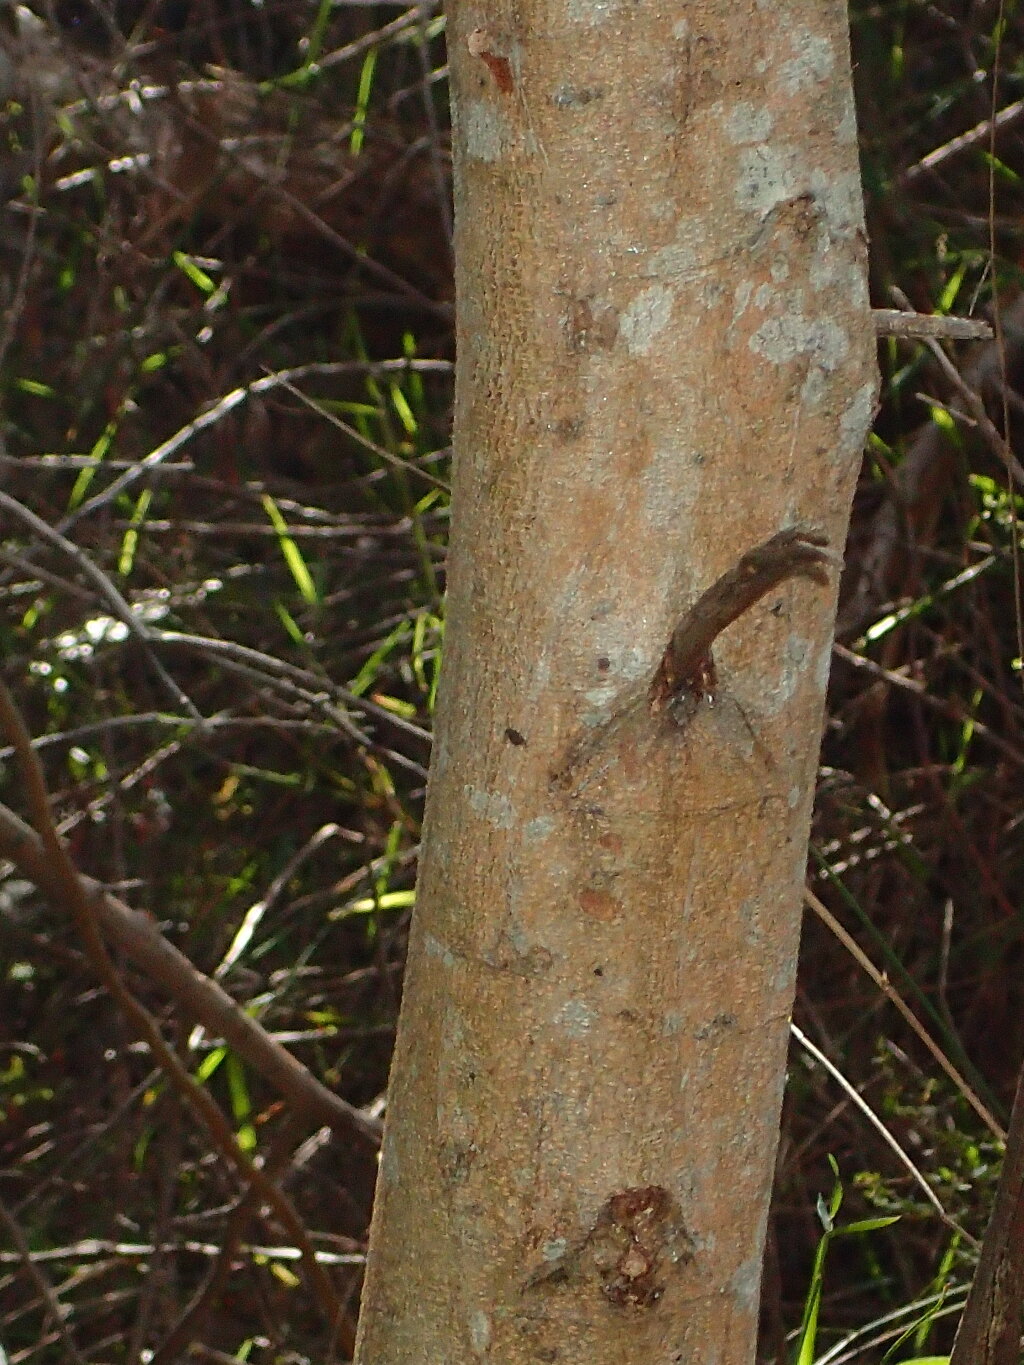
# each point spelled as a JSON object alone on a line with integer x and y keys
{"x": 665, "y": 359}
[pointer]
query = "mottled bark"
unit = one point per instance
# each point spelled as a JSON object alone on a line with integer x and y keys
{"x": 665, "y": 359}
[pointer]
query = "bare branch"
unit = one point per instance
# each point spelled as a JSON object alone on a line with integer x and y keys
{"x": 135, "y": 934}
{"x": 80, "y": 900}
{"x": 978, "y": 135}
{"x": 52, "y": 1305}
{"x": 107, "y": 590}
{"x": 894, "y": 322}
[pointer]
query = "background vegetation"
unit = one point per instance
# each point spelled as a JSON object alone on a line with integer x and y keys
{"x": 225, "y": 369}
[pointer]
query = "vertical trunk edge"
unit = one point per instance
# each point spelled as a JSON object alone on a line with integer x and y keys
{"x": 666, "y": 359}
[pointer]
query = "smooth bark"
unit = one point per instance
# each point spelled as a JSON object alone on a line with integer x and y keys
{"x": 665, "y": 359}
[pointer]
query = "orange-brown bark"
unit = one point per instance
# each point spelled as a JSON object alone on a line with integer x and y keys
{"x": 665, "y": 358}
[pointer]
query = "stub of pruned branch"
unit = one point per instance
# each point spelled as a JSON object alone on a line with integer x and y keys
{"x": 895, "y": 322}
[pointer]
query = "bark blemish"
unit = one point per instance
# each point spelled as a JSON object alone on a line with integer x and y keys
{"x": 746, "y": 1281}
{"x": 785, "y": 339}
{"x": 479, "y": 1332}
{"x": 746, "y": 123}
{"x": 681, "y": 259}
{"x": 569, "y": 96}
{"x": 576, "y": 1018}
{"x": 488, "y": 135}
{"x": 592, "y": 13}
{"x": 644, "y": 318}
{"x": 721, "y": 1023}
{"x": 494, "y": 807}
{"x": 601, "y": 699}
{"x": 813, "y": 63}
{"x": 539, "y": 829}
{"x": 599, "y": 905}
{"x": 765, "y": 178}
{"x": 591, "y": 326}
{"x": 632, "y": 1248}
{"x": 854, "y": 421}
{"x": 482, "y": 44}
{"x": 436, "y": 949}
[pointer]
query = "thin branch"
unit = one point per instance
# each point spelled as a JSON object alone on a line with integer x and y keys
{"x": 381, "y": 452}
{"x": 107, "y": 590}
{"x": 16, "y": 306}
{"x": 184, "y": 1332}
{"x": 892, "y": 995}
{"x": 90, "y": 1248}
{"x": 80, "y": 901}
{"x": 895, "y": 322}
{"x": 980, "y": 133}
{"x": 53, "y": 1308}
{"x": 975, "y": 403}
{"x": 345, "y": 54}
{"x": 230, "y": 650}
{"x": 159, "y": 455}
{"x": 141, "y": 719}
{"x": 861, "y": 1103}
{"x": 136, "y": 934}
{"x": 255, "y": 913}
{"x": 951, "y": 710}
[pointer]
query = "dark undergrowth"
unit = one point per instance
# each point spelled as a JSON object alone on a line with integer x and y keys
{"x": 225, "y": 368}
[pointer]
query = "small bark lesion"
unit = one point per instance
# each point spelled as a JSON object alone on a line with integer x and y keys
{"x": 482, "y": 44}
{"x": 629, "y": 1251}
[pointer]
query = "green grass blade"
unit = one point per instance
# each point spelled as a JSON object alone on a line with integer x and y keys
{"x": 292, "y": 554}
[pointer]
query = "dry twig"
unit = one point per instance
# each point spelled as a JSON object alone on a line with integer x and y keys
{"x": 79, "y": 898}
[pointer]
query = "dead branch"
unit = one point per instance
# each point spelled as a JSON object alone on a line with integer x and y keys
{"x": 894, "y": 322}
{"x": 52, "y": 1306}
{"x": 80, "y": 901}
{"x": 919, "y": 484}
{"x": 206, "y": 1002}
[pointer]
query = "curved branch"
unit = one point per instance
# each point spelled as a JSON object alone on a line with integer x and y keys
{"x": 81, "y": 901}
{"x": 203, "y": 999}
